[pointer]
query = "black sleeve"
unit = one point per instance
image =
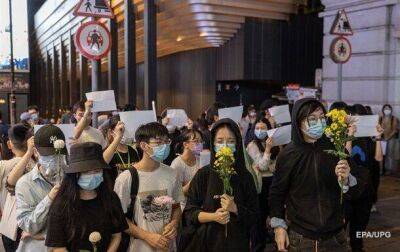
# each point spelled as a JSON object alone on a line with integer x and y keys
{"x": 119, "y": 223}
{"x": 56, "y": 230}
{"x": 361, "y": 173}
{"x": 280, "y": 184}
{"x": 195, "y": 198}
{"x": 249, "y": 209}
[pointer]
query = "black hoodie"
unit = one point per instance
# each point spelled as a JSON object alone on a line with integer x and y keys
{"x": 203, "y": 187}
{"x": 305, "y": 182}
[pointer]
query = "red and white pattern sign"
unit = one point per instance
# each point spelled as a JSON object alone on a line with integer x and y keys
{"x": 93, "y": 40}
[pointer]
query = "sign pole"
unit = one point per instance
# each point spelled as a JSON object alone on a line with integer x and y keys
{"x": 339, "y": 81}
{"x": 12, "y": 103}
{"x": 95, "y": 84}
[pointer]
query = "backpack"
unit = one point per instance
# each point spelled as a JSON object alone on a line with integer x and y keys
{"x": 125, "y": 239}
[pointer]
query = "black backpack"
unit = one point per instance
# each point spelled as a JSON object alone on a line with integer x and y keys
{"x": 125, "y": 239}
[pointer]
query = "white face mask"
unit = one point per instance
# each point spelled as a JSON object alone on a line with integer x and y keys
{"x": 387, "y": 112}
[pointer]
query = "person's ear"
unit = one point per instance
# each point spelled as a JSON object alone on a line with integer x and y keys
{"x": 185, "y": 145}
{"x": 9, "y": 145}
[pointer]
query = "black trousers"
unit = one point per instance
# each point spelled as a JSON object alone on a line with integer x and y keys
{"x": 375, "y": 179}
{"x": 357, "y": 216}
{"x": 259, "y": 233}
{"x": 10, "y": 245}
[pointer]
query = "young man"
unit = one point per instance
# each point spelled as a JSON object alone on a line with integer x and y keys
{"x": 33, "y": 110}
{"x": 306, "y": 191}
{"x": 86, "y": 133}
{"x": 152, "y": 228}
{"x": 36, "y": 190}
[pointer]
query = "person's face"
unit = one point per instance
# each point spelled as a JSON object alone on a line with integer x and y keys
{"x": 224, "y": 136}
{"x": 267, "y": 114}
{"x": 154, "y": 142}
{"x": 92, "y": 172}
{"x": 261, "y": 126}
{"x": 315, "y": 117}
{"x": 79, "y": 114}
{"x": 191, "y": 144}
{"x": 33, "y": 111}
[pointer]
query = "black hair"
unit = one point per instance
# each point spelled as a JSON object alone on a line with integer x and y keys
{"x": 150, "y": 130}
{"x": 338, "y": 105}
{"x": 369, "y": 110}
{"x": 79, "y": 105}
{"x": 307, "y": 109}
{"x": 259, "y": 142}
{"x": 358, "y": 109}
{"x": 129, "y": 107}
{"x": 5, "y": 152}
{"x": 186, "y": 135}
{"x": 267, "y": 104}
{"x": 240, "y": 165}
{"x": 69, "y": 204}
{"x": 113, "y": 121}
{"x": 35, "y": 107}
{"x": 18, "y": 135}
{"x": 387, "y": 106}
{"x": 213, "y": 111}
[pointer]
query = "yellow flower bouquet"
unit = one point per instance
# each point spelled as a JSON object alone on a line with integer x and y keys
{"x": 337, "y": 132}
{"x": 224, "y": 167}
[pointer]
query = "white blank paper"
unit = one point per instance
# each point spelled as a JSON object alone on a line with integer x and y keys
{"x": 281, "y": 135}
{"x": 281, "y": 114}
{"x": 366, "y": 125}
{"x": 134, "y": 119}
{"x": 234, "y": 113}
{"x": 102, "y": 100}
{"x": 67, "y": 129}
{"x": 205, "y": 158}
{"x": 177, "y": 117}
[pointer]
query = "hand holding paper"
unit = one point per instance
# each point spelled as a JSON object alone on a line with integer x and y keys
{"x": 366, "y": 125}
{"x": 102, "y": 100}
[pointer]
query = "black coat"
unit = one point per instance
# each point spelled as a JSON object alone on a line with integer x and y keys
{"x": 305, "y": 182}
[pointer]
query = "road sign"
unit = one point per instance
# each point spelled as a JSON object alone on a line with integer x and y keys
{"x": 93, "y": 40}
{"x": 341, "y": 26}
{"x": 94, "y": 8}
{"x": 340, "y": 50}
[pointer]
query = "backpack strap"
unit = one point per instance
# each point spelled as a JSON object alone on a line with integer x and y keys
{"x": 134, "y": 191}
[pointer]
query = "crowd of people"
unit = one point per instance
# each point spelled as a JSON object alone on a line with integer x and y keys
{"x": 104, "y": 192}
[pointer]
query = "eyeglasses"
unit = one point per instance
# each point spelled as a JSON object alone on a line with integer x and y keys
{"x": 196, "y": 141}
{"x": 159, "y": 142}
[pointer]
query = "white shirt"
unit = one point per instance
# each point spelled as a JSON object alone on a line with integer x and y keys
{"x": 148, "y": 216}
{"x": 91, "y": 134}
{"x": 261, "y": 161}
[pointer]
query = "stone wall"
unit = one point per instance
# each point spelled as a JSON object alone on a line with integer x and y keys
{"x": 372, "y": 76}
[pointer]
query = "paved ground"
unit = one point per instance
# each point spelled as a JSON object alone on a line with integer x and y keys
{"x": 387, "y": 218}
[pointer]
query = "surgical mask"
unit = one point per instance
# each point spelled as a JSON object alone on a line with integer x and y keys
{"x": 218, "y": 147}
{"x": 90, "y": 181}
{"x": 34, "y": 117}
{"x": 316, "y": 130}
{"x": 260, "y": 134}
{"x": 197, "y": 149}
{"x": 387, "y": 112}
{"x": 53, "y": 167}
{"x": 171, "y": 128}
{"x": 161, "y": 152}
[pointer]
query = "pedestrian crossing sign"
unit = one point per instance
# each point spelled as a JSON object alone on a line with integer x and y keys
{"x": 94, "y": 8}
{"x": 341, "y": 25}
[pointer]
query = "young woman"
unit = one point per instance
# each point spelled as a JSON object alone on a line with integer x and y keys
{"x": 390, "y": 125}
{"x": 124, "y": 157}
{"x": 263, "y": 155}
{"x": 190, "y": 144}
{"x": 85, "y": 206}
{"x": 206, "y": 215}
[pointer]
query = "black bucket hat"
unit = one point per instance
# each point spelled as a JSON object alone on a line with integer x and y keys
{"x": 84, "y": 157}
{"x": 45, "y": 137}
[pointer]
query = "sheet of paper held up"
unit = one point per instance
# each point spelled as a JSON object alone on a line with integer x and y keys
{"x": 67, "y": 129}
{"x": 281, "y": 135}
{"x": 102, "y": 100}
{"x": 366, "y": 125}
{"x": 234, "y": 113}
{"x": 205, "y": 158}
{"x": 134, "y": 119}
{"x": 281, "y": 114}
{"x": 177, "y": 117}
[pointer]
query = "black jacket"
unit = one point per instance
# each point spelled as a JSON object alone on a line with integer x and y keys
{"x": 305, "y": 182}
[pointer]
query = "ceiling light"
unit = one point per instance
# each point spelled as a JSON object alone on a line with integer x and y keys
{"x": 179, "y": 38}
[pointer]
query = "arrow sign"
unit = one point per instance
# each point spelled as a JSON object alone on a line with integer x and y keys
{"x": 93, "y": 8}
{"x": 341, "y": 26}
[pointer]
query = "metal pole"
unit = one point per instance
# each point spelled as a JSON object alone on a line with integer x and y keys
{"x": 339, "y": 82}
{"x": 12, "y": 95}
{"x": 95, "y": 84}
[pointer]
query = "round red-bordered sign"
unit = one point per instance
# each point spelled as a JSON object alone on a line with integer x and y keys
{"x": 93, "y": 40}
{"x": 340, "y": 50}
